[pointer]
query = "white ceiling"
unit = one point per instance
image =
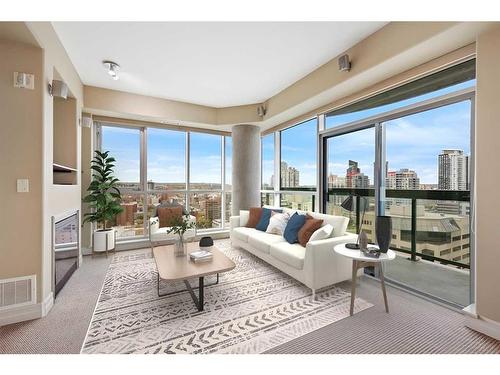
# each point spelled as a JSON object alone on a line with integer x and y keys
{"x": 218, "y": 64}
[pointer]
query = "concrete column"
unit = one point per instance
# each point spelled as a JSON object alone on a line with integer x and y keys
{"x": 246, "y": 167}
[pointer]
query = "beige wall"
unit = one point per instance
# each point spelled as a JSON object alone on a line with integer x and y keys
{"x": 57, "y": 199}
{"x": 487, "y": 176}
{"x": 105, "y": 102}
{"x": 20, "y": 157}
{"x": 119, "y": 103}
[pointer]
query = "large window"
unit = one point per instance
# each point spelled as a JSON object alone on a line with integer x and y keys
{"x": 412, "y": 163}
{"x": 166, "y": 159}
{"x": 228, "y": 168}
{"x": 293, "y": 178}
{"x": 298, "y": 156}
{"x": 160, "y": 175}
{"x": 125, "y": 145}
{"x": 268, "y": 162}
{"x": 205, "y": 161}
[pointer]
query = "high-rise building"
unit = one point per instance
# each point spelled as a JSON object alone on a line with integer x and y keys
{"x": 404, "y": 179}
{"x": 126, "y": 217}
{"x": 335, "y": 181}
{"x": 390, "y": 180}
{"x": 354, "y": 177}
{"x": 290, "y": 176}
{"x": 213, "y": 207}
{"x": 453, "y": 170}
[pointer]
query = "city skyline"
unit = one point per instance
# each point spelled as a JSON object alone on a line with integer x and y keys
{"x": 453, "y": 171}
{"x": 412, "y": 142}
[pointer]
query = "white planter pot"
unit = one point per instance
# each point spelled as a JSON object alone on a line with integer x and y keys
{"x": 104, "y": 240}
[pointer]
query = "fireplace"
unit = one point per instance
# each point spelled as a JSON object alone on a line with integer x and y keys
{"x": 66, "y": 248}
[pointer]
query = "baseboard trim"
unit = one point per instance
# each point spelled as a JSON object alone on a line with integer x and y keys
{"x": 20, "y": 314}
{"x": 27, "y": 312}
{"x": 47, "y": 304}
{"x": 86, "y": 251}
{"x": 483, "y": 325}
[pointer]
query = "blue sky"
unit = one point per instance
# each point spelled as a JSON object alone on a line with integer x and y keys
{"x": 124, "y": 146}
{"x": 166, "y": 155}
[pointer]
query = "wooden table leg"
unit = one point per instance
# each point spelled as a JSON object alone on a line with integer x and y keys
{"x": 353, "y": 285}
{"x": 382, "y": 282}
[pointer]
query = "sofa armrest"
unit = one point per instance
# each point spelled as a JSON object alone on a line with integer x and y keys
{"x": 325, "y": 267}
{"x": 234, "y": 222}
{"x": 331, "y": 242}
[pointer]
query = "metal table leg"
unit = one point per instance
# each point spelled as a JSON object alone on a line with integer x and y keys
{"x": 198, "y": 301}
{"x": 353, "y": 284}
{"x": 382, "y": 282}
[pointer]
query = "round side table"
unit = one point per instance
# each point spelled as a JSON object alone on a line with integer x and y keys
{"x": 360, "y": 260}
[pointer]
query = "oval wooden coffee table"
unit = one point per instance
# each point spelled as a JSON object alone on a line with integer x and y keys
{"x": 174, "y": 268}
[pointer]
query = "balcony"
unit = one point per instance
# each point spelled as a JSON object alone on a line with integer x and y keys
{"x": 431, "y": 236}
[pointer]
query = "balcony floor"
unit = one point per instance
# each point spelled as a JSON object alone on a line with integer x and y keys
{"x": 437, "y": 280}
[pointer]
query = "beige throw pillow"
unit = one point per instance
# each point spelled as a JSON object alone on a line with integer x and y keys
{"x": 277, "y": 223}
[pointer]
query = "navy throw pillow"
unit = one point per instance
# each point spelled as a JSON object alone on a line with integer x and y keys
{"x": 264, "y": 219}
{"x": 296, "y": 222}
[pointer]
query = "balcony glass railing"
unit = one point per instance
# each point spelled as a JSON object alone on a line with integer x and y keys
{"x": 430, "y": 224}
{"x": 430, "y": 228}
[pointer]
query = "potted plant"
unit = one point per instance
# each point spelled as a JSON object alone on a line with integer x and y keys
{"x": 104, "y": 201}
{"x": 179, "y": 226}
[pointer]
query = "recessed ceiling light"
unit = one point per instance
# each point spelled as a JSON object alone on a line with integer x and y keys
{"x": 112, "y": 68}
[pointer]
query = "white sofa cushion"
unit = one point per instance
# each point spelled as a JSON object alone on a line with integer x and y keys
{"x": 262, "y": 241}
{"x": 277, "y": 223}
{"x": 320, "y": 234}
{"x": 291, "y": 254}
{"x": 242, "y": 233}
{"x": 339, "y": 223}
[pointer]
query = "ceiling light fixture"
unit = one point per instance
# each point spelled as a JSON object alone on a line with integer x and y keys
{"x": 112, "y": 68}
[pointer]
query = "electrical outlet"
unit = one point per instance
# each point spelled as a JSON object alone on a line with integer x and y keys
{"x": 23, "y": 185}
{"x": 24, "y": 80}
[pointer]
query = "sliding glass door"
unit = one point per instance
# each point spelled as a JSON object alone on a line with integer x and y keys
{"x": 413, "y": 164}
{"x": 349, "y": 172}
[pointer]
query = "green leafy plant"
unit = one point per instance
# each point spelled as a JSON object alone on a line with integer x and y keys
{"x": 180, "y": 224}
{"x": 104, "y": 197}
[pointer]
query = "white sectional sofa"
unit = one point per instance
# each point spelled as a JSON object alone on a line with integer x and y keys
{"x": 315, "y": 265}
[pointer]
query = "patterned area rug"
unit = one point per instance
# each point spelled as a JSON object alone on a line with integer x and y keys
{"x": 254, "y": 308}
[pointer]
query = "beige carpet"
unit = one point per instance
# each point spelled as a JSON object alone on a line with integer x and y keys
{"x": 63, "y": 329}
{"x": 414, "y": 325}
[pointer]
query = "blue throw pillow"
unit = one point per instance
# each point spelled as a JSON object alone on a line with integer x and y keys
{"x": 264, "y": 219}
{"x": 296, "y": 222}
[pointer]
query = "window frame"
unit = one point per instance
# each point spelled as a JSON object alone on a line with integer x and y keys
{"x": 277, "y": 190}
{"x": 143, "y": 183}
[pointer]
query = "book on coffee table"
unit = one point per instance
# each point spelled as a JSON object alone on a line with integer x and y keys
{"x": 201, "y": 256}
